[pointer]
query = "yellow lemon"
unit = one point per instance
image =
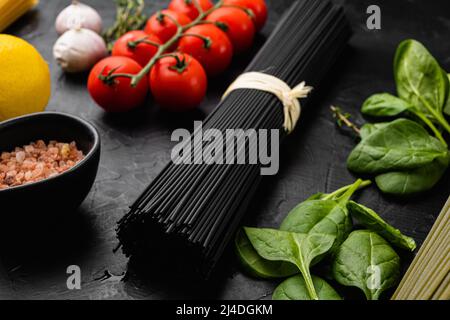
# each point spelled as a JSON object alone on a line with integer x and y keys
{"x": 24, "y": 78}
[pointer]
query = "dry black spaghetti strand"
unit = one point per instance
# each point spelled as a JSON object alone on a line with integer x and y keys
{"x": 197, "y": 208}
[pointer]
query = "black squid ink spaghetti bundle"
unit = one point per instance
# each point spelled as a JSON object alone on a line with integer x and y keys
{"x": 193, "y": 210}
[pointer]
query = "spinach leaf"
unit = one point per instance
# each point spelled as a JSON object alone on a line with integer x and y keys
{"x": 366, "y": 261}
{"x": 328, "y": 216}
{"x": 338, "y": 193}
{"x": 317, "y": 217}
{"x": 369, "y": 128}
{"x": 371, "y": 220}
{"x": 258, "y": 266}
{"x": 404, "y": 183}
{"x": 422, "y": 82}
{"x": 419, "y": 78}
{"x": 400, "y": 145}
{"x": 275, "y": 245}
{"x": 296, "y": 248}
{"x": 447, "y": 105}
{"x": 294, "y": 288}
{"x": 385, "y": 105}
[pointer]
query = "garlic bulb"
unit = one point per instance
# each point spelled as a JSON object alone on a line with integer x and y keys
{"x": 78, "y": 14}
{"x": 79, "y": 49}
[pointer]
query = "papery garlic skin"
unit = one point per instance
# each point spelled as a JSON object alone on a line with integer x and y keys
{"x": 78, "y": 50}
{"x": 78, "y": 15}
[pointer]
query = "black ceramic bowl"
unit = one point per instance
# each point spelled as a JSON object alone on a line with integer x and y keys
{"x": 62, "y": 193}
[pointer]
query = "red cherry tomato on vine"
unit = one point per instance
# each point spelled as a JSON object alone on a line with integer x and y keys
{"x": 210, "y": 46}
{"x": 188, "y": 8}
{"x": 163, "y": 27}
{"x": 178, "y": 83}
{"x": 116, "y": 95}
{"x": 258, "y": 7}
{"x": 137, "y": 46}
{"x": 237, "y": 24}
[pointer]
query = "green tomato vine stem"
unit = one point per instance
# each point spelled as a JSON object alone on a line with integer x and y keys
{"x": 136, "y": 78}
{"x": 247, "y": 11}
{"x": 134, "y": 44}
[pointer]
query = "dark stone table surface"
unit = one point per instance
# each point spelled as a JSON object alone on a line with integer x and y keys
{"x": 136, "y": 146}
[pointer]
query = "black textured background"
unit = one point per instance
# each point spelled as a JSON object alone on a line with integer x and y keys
{"x": 136, "y": 146}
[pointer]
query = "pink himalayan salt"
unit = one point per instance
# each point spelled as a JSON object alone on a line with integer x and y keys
{"x": 37, "y": 161}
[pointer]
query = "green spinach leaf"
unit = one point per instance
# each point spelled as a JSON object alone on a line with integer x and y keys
{"x": 317, "y": 217}
{"x": 295, "y": 248}
{"x": 328, "y": 216}
{"x": 405, "y": 183}
{"x": 295, "y": 288}
{"x": 419, "y": 78}
{"x": 385, "y": 105}
{"x": 366, "y": 261}
{"x": 447, "y": 105}
{"x": 338, "y": 193}
{"x": 258, "y": 266}
{"x": 369, "y": 128}
{"x": 371, "y": 220}
{"x": 400, "y": 145}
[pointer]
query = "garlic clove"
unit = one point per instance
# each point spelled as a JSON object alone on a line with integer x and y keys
{"x": 78, "y": 15}
{"x": 78, "y": 50}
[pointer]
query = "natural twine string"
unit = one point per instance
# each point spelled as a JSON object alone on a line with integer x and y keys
{"x": 289, "y": 97}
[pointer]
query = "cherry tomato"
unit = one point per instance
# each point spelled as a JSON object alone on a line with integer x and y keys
{"x": 188, "y": 8}
{"x": 178, "y": 82}
{"x": 237, "y": 24}
{"x": 116, "y": 95}
{"x": 137, "y": 46}
{"x": 210, "y": 46}
{"x": 258, "y": 7}
{"x": 163, "y": 27}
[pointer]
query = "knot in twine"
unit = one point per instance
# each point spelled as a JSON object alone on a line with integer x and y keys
{"x": 288, "y": 97}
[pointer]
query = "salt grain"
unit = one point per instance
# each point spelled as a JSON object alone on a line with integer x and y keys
{"x": 20, "y": 156}
{"x": 29, "y": 149}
